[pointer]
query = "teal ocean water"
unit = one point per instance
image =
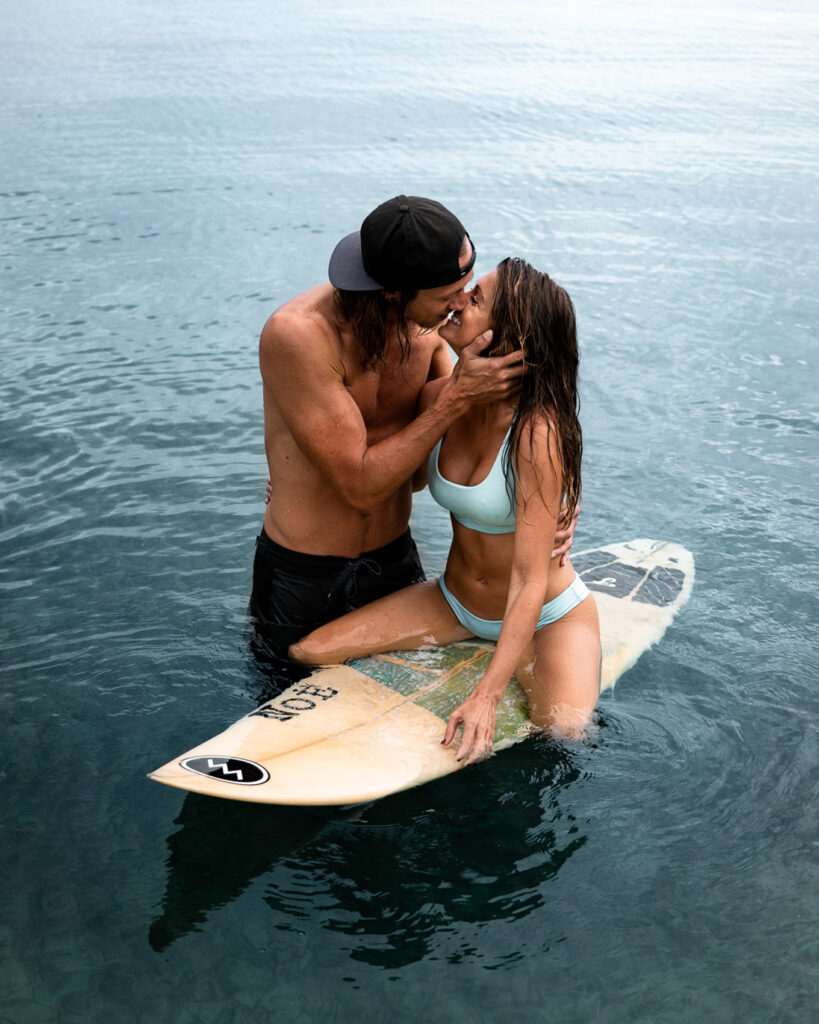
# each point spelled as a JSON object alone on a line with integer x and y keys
{"x": 170, "y": 174}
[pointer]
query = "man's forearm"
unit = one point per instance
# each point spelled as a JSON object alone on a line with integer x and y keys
{"x": 385, "y": 466}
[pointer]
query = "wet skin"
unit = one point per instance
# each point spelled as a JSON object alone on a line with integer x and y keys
{"x": 343, "y": 441}
{"x": 496, "y": 576}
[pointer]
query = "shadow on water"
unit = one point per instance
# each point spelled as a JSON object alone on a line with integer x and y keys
{"x": 472, "y": 848}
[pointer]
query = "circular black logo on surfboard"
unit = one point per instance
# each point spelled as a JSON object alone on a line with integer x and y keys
{"x": 227, "y": 769}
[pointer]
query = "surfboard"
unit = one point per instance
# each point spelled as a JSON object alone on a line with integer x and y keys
{"x": 353, "y": 733}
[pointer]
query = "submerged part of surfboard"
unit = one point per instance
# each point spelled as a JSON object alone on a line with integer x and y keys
{"x": 351, "y": 733}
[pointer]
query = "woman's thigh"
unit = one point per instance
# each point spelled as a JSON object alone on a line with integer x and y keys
{"x": 561, "y": 671}
{"x": 417, "y": 616}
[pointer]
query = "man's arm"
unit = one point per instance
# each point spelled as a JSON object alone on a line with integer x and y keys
{"x": 300, "y": 367}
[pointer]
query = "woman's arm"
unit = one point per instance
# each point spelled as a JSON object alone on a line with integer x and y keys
{"x": 538, "y": 506}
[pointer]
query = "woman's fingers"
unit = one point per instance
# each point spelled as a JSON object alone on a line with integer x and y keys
{"x": 455, "y": 720}
{"x": 512, "y": 361}
{"x": 467, "y": 741}
{"x": 478, "y": 733}
{"x": 479, "y": 746}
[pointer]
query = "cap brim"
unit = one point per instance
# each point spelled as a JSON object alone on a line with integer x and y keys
{"x": 347, "y": 267}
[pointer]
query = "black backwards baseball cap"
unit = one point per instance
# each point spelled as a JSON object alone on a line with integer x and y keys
{"x": 405, "y": 243}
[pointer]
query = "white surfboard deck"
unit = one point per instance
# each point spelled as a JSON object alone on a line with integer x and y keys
{"x": 353, "y": 733}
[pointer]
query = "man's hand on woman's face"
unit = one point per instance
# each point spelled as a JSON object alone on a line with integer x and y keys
{"x": 481, "y": 379}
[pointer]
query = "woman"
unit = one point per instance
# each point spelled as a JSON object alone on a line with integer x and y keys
{"x": 503, "y": 471}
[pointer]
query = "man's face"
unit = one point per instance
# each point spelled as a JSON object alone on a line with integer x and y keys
{"x": 431, "y": 306}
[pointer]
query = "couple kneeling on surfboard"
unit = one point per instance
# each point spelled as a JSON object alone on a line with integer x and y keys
{"x": 506, "y": 470}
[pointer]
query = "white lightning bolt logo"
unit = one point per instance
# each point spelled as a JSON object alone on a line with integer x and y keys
{"x": 223, "y": 768}
{"x": 217, "y": 767}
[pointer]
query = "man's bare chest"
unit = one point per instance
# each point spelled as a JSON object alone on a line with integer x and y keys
{"x": 388, "y": 399}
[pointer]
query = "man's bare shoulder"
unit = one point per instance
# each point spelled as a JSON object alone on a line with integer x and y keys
{"x": 310, "y": 315}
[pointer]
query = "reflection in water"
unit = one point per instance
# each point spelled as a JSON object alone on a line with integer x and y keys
{"x": 477, "y": 847}
{"x": 221, "y": 847}
{"x": 474, "y": 847}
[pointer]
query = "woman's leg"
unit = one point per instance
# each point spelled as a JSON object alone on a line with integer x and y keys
{"x": 417, "y": 616}
{"x": 561, "y": 672}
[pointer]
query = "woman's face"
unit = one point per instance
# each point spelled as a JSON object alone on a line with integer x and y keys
{"x": 465, "y": 325}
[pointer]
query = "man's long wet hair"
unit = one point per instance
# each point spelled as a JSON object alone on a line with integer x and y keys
{"x": 531, "y": 311}
{"x": 370, "y": 315}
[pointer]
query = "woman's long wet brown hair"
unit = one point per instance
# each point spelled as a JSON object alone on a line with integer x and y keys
{"x": 529, "y": 310}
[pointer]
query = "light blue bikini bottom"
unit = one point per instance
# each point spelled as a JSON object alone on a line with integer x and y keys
{"x": 489, "y": 629}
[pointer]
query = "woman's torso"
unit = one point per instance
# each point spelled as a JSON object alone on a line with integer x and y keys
{"x": 468, "y": 470}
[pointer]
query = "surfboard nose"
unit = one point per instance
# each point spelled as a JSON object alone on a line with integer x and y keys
{"x": 364, "y": 764}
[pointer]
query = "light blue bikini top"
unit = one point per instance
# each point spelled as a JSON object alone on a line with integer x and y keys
{"x": 485, "y": 507}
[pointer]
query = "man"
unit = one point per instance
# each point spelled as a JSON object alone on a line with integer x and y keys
{"x": 342, "y": 367}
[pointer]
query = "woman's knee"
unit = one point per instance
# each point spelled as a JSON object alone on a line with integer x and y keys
{"x": 308, "y": 651}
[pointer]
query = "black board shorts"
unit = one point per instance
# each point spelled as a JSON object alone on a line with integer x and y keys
{"x": 295, "y": 593}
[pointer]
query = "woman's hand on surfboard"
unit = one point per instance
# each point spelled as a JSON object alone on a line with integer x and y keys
{"x": 564, "y": 536}
{"x": 477, "y": 716}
